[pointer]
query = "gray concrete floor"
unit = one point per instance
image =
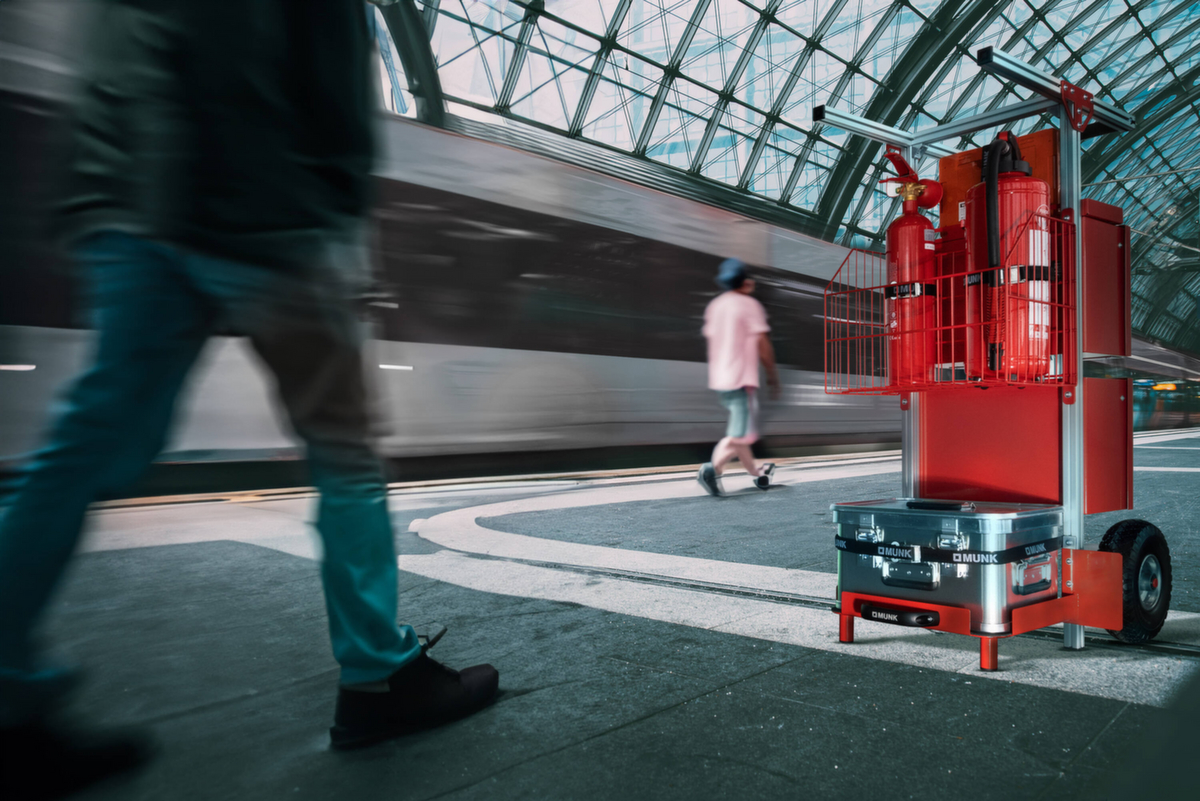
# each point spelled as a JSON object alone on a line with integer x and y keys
{"x": 205, "y": 622}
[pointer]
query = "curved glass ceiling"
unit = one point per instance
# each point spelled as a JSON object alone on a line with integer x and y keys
{"x": 723, "y": 90}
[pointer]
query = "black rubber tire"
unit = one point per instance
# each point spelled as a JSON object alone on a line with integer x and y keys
{"x": 1136, "y": 540}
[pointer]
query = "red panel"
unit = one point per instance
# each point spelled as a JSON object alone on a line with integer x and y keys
{"x": 1107, "y": 444}
{"x": 1103, "y": 211}
{"x": 1042, "y": 614}
{"x": 958, "y": 173}
{"x": 1105, "y": 262}
{"x": 998, "y": 444}
{"x": 1096, "y": 580}
{"x": 1126, "y": 249}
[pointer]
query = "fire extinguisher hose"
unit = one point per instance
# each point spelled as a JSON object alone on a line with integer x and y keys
{"x": 992, "y": 180}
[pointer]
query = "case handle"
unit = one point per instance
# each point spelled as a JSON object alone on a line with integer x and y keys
{"x": 942, "y": 506}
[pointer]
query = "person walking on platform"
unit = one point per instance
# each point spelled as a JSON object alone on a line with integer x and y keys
{"x": 220, "y": 182}
{"x": 735, "y": 325}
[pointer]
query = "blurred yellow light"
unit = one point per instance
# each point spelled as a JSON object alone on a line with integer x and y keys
{"x": 1164, "y": 387}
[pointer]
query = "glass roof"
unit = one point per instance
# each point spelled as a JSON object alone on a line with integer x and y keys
{"x": 723, "y": 91}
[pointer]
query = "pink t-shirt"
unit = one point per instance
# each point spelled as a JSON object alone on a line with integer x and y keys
{"x": 732, "y": 324}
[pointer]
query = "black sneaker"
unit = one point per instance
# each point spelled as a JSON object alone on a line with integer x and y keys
{"x": 708, "y": 479}
{"x": 41, "y": 761}
{"x": 763, "y": 481}
{"x": 421, "y": 695}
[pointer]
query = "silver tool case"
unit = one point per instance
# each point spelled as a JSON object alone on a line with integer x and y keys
{"x": 989, "y": 558}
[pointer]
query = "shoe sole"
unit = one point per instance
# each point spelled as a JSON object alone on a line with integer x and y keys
{"x": 343, "y": 739}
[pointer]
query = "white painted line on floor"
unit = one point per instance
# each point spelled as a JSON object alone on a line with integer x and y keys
{"x": 1137, "y": 677}
{"x": 1168, "y": 447}
{"x": 1166, "y": 469}
{"x": 459, "y": 530}
{"x": 1165, "y": 436}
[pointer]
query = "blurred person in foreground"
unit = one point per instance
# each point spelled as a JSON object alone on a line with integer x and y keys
{"x": 220, "y": 181}
{"x": 735, "y": 325}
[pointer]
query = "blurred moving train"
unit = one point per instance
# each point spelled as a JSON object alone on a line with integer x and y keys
{"x": 522, "y": 305}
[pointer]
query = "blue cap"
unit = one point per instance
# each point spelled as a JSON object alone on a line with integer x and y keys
{"x": 731, "y": 274}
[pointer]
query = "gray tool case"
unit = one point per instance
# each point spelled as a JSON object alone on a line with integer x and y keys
{"x": 986, "y": 557}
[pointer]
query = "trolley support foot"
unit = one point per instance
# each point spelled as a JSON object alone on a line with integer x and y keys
{"x": 846, "y": 628}
{"x": 989, "y": 653}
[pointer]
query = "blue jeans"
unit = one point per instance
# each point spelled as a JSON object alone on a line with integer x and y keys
{"x": 155, "y": 305}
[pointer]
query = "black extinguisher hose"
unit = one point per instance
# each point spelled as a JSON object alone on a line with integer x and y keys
{"x": 992, "y": 181}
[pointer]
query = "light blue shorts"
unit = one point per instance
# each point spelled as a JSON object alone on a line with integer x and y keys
{"x": 743, "y": 413}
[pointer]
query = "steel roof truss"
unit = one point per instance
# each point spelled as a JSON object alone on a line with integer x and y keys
{"x": 602, "y": 57}
{"x": 731, "y": 82}
{"x": 528, "y": 26}
{"x": 670, "y": 72}
{"x": 404, "y": 24}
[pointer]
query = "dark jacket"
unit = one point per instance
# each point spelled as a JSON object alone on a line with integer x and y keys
{"x": 239, "y": 128}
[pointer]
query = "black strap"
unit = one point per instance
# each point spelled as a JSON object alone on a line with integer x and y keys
{"x": 902, "y": 291}
{"x": 917, "y": 553}
{"x": 1017, "y": 274}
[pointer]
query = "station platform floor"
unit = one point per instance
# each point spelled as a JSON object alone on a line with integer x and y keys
{"x": 652, "y": 642}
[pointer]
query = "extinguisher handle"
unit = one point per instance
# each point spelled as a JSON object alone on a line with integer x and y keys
{"x": 906, "y": 173}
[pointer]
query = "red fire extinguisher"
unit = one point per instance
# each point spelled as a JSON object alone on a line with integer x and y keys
{"x": 1008, "y": 250}
{"x": 910, "y": 312}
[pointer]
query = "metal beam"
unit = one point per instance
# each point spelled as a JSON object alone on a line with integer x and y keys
{"x": 875, "y": 131}
{"x": 420, "y": 67}
{"x": 601, "y": 61}
{"x": 988, "y": 119}
{"x": 789, "y": 188}
{"x": 1004, "y": 66}
{"x": 1072, "y": 463}
{"x": 785, "y": 93}
{"x": 669, "y": 74}
{"x": 731, "y": 82}
{"x": 528, "y": 26}
{"x": 430, "y": 15}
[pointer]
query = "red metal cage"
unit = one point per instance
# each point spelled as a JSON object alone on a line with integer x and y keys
{"x": 966, "y": 327}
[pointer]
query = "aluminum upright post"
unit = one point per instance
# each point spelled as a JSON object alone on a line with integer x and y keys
{"x": 910, "y": 446}
{"x": 910, "y": 420}
{"x": 1070, "y": 194}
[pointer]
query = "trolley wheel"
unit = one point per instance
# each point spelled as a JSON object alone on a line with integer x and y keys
{"x": 1145, "y": 578}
